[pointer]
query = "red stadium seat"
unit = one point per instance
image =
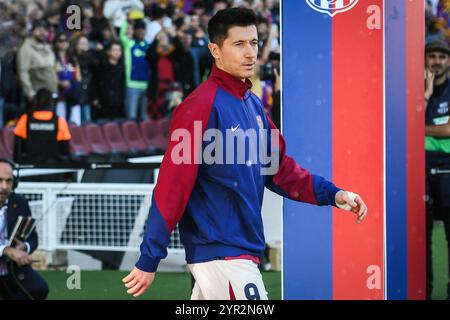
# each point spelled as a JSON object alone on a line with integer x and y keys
{"x": 164, "y": 125}
{"x": 133, "y": 136}
{"x": 78, "y": 144}
{"x": 8, "y": 139}
{"x": 95, "y": 138}
{"x": 4, "y": 151}
{"x": 153, "y": 137}
{"x": 114, "y": 137}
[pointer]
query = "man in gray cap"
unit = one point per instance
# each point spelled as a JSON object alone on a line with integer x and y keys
{"x": 36, "y": 62}
{"x": 437, "y": 145}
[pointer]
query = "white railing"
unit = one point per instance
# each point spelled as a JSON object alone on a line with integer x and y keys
{"x": 91, "y": 216}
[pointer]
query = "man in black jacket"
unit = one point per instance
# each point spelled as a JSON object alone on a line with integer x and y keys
{"x": 18, "y": 280}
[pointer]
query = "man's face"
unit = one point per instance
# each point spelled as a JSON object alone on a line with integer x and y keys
{"x": 139, "y": 34}
{"x": 437, "y": 62}
{"x": 115, "y": 52}
{"x": 195, "y": 21}
{"x": 238, "y": 53}
{"x": 6, "y": 181}
{"x": 40, "y": 34}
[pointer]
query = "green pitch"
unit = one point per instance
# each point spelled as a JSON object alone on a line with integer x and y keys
{"x": 107, "y": 285}
{"x": 440, "y": 264}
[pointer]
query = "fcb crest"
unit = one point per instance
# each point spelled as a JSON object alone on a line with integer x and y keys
{"x": 260, "y": 122}
{"x": 331, "y": 7}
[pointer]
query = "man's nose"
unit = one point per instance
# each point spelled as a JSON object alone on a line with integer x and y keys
{"x": 250, "y": 51}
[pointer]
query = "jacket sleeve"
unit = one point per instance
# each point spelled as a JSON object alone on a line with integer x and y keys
{"x": 23, "y": 66}
{"x": 295, "y": 182}
{"x": 177, "y": 175}
{"x": 33, "y": 238}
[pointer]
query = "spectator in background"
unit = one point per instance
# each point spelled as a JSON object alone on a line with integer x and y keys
{"x": 52, "y": 17}
{"x": 109, "y": 84}
{"x": 105, "y": 34}
{"x": 41, "y": 136}
{"x": 86, "y": 60}
{"x": 2, "y": 98}
{"x": 262, "y": 88}
{"x": 117, "y": 11}
{"x": 36, "y": 62}
{"x": 69, "y": 80}
{"x": 158, "y": 20}
{"x": 170, "y": 62}
{"x": 437, "y": 146}
{"x": 184, "y": 64}
{"x": 137, "y": 70}
{"x": 276, "y": 109}
{"x": 10, "y": 90}
{"x": 199, "y": 47}
{"x": 12, "y": 27}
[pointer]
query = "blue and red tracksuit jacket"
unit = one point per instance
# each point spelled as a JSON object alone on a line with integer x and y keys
{"x": 218, "y": 206}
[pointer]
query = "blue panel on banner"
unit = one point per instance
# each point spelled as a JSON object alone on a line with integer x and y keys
{"x": 307, "y": 107}
{"x": 396, "y": 148}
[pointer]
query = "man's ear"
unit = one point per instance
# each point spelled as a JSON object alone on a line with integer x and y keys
{"x": 214, "y": 49}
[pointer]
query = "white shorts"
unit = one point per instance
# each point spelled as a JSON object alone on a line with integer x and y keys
{"x": 238, "y": 279}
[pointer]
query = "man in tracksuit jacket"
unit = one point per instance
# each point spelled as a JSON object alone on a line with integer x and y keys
{"x": 218, "y": 203}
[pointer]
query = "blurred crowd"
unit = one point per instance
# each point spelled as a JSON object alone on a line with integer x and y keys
{"x": 437, "y": 20}
{"x": 119, "y": 59}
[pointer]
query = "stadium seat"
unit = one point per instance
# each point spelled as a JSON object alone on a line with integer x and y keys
{"x": 152, "y": 134}
{"x": 4, "y": 151}
{"x": 79, "y": 146}
{"x": 133, "y": 136}
{"x": 164, "y": 125}
{"x": 114, "y": 137}
{"x": 95, "y": 138}
{"x": 8, "y": 139}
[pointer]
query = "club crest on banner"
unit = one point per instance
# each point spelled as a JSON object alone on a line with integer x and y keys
{"x": 331, "y": 7}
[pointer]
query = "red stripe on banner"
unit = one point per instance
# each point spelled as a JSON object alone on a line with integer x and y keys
{"x": 415, "y": 159}
{"x": 230, "y": 289}
{"x": 358, "y": 271}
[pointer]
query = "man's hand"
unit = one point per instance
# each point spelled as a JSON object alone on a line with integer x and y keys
{"x": 356, "y": 205}
{"x": 429, "y": 82}
{"x": 18, "y": 256}
{"x": 277, "y": 84}
{"x": 137, "y": 281}
{"x": 20, "y": 245}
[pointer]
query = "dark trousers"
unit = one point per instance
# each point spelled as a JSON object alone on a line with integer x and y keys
{"x": 23, "y": 283}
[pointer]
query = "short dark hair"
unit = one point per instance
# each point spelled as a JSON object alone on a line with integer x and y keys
{"x": 43, "y": 98}
{"x": 139, "y": 24}
{"x": 225, "y": 19}
{"x": 112, "y": 43}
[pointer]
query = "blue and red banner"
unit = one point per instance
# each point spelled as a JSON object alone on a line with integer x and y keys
{"x": 353, "y": 113}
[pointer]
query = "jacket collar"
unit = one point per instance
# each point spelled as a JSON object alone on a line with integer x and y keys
{"x": 230, "y": 83}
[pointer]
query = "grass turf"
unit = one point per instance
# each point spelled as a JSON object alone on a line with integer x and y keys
{"x": 107, "y": 285}
{"x": 440, "y": 264}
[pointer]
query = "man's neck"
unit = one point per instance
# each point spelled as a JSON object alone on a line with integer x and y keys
{"x": 113, "y": 61}
{"x": 220, "y": 66}
{"x": 440, "y": 80}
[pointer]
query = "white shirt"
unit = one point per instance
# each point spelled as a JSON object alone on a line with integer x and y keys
{"x": 117, "y": 10}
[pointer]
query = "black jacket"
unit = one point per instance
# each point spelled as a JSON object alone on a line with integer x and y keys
{"x": 109, "y": 87}
{"x": 18, "y": 206}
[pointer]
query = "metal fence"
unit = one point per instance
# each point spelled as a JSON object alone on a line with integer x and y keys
{"x": 91, "y": 216}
